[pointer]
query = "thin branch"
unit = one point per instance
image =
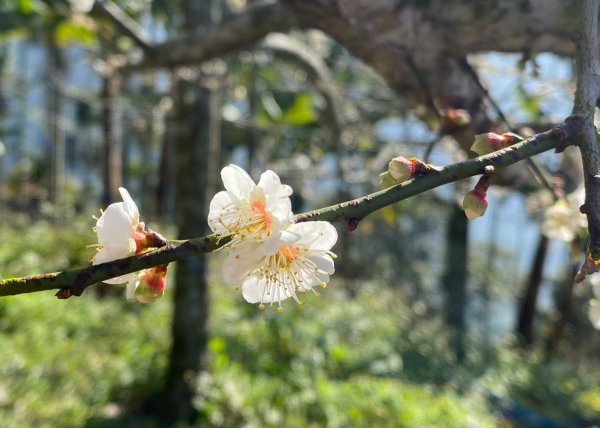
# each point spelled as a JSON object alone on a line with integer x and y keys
{"x": 357, "y": 209}
{"x": 539, "y": 172}
{"x": 124, "y": 24}
{"x": 586, "y": 96}
{"x": 240, "y": 31}
{"x": 351, "y": 212}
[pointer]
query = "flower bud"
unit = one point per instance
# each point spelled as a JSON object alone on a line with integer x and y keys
{"x": 402, "y": 169}
{"x": 453, "y": 119}
{"x": 151, "y": 285}
{"x": 474, "y": 204}
{"x": 491, "y": 142}
{"x": 386, "y": 180}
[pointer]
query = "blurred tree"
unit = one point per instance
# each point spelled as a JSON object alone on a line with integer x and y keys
{"x": 455, "y": 280}
{"x": 196, "y": 122}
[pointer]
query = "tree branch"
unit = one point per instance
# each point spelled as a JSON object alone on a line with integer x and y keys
{"x": 239, "y": 32}
{"x": 350, "y": 211}
{"x": 586, "y": 96}
{"x": 124, "y": 24}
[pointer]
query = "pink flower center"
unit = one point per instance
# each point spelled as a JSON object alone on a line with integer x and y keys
{"x": 289, "y": 252}
{"x": 258, "y": 206}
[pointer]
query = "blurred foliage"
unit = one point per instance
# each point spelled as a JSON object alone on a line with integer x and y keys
{"x": 369, "y": 358}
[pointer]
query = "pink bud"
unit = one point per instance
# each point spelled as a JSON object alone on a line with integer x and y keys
{"x": 152, "y": 284}
{"x": 386, "y": 180}
{"x": 491, "y": 142}
{"x": 475, "y": 203}
{"x": 454, "y": 118}
{"x": 402, "y": 169}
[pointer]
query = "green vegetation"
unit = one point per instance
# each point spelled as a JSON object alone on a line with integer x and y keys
{"x": 365, "y": 360}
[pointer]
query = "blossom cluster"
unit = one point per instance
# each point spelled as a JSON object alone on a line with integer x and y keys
{"x": 270, "y": 256}
{"x": 564, "y": 220}
{"x": 121, "y": 234}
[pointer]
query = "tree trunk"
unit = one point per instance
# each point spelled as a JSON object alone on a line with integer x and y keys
{"x": 56, "y": 129}
{"x": 197, "y": 144}
{"x": 455, "y": 280}
{"x": 112, "y": 168}
{"x": 564, "y": 305}
{"x": 527, "y": 304}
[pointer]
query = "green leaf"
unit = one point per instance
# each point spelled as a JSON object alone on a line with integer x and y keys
{"x": 301, "y": 112}
{"x": 270, "y": 106}
{"x": 70, "y": 32}
{"x": 26, "y": 6}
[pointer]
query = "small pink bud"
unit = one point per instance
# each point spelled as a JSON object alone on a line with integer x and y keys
{"x": 475, "y": 203}
{"x": 402, "y": 169}
{"x": 152, "y": 284}
{"x": 453, "y": 119}
{"x": 491, "y": 142}
{"x": 386, "y": 180}
{"x": 141, "y": 239}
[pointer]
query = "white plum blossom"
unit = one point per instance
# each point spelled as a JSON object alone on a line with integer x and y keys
{"x": 563, "y": 220}
{"x": 272, "y": 258}
{"x": 594, "y": 309}
{"x": 300, "y": 260}
{"x": 594, "y": 313}
{"x": 250, "y": 211}
{"x": 119, "y": 230}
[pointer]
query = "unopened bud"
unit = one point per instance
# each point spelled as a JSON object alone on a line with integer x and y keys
{"x": 402, "y": 169}
{"x": 152, "y": 284}
{"x": 491, "y": 142}
{"x": 386, "y": 180}
{"x": 474, "y": 204}
{"x": 454, "y": 118}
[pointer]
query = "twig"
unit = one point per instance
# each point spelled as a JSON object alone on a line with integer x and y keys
{"x": 539, "y": 172}
{"x": 125, "y": 25}
{"x": 350, "y": 211}
{"x": 238, "y": 32}
{"x": 586, "y": 96}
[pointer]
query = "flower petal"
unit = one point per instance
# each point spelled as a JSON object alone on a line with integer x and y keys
{"x": 257, "y": 290}
{"x": 129, "y": 206}
{"x": 122, "y": 279}
{"x": 237, "y": 181}
{"x": 111, "y": 252}
{"x": 324, "y": 263}
{"x": 253, "y": 289}
{"x": 132, "y": 285}
{"x": 219, "y": 203}
{"x": 115, "y": 225}
{"x": 271, "y": 183}
{"x": 318, "y": 235}
{"x": 239, "y": 263}
{"x": 594, "y": 314}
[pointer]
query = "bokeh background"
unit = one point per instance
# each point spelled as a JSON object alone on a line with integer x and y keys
{"x": 425, "y": 322}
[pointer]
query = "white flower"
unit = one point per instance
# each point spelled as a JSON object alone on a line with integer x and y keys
{"x": 594, "y": 309}
{"x": 563, "y": 220}
{"x": 116, "y": 230}
{"x": 250, "y": 211}
{"x": 298, "y": 259}
{"x": 594, "y": 314}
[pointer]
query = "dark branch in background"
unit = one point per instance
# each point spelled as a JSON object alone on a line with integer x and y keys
{"x": 124, "y": 24}
{"x": 317, "y": 72}
{"x": 73, "y": 282}
{"x": 238, "y": 32}
{"x": 539, "y": 172}
{"x": 586, "y": 96}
